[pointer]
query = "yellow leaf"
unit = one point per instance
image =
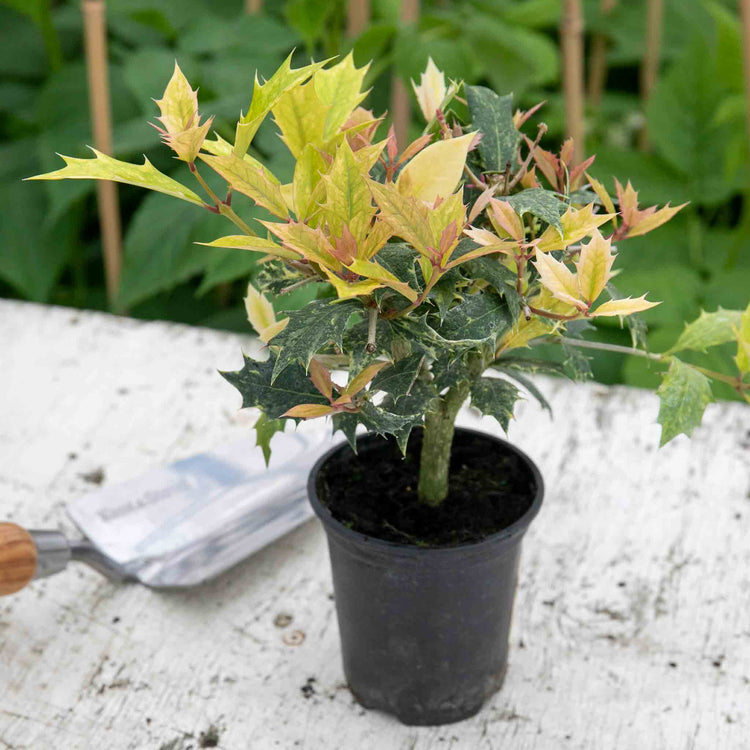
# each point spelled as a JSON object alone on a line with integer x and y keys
{"x": 253, "y": 243}
{"x": 450, "y": 211}
{"x": 308, "y": 241}
{"x": 408, "y": 217}
{"x": 376, "y": 272}
{"x": 594, "y": 267}
{"x": 348, "y": 199}
{"x": 348, "y": 289}
{"x": 379, "y": 234}
{"x": 287, "y": 193}
{"x": 431, "y": 90}
{"x": 257, "y": 183}
{"x": 363, "y": 378}
{"x": 308, "y": 188}
{"x": 339, "y": 88}
{"x": 436, "y": 170}
{"x": 576, "y": 225}
{"x": 602, "y": 193}
{"x": 265, "y": 96}
{"x": 301, "y": 117}
{"x": 261, "y": 315}
{"x": 179, "y": 104}
{"x": 558, "y": 278}
{"x": 743, "y": 343}
{"x": 623, "y": 306}
{"x": 498, "y": 247}
{"x": 308, "y": 411}
{"x": 103, "y": 167}
{"x": 187, "y": 143}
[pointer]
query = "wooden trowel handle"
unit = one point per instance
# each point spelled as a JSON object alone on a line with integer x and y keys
{"x": 18, "y": 558}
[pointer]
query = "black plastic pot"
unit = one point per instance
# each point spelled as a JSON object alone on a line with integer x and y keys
{"x": 424, "y": 631}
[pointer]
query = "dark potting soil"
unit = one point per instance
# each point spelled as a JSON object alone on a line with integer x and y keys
{"x": 375, "y": 492}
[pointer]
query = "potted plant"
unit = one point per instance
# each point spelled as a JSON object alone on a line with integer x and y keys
{"x": 438, "y": 264}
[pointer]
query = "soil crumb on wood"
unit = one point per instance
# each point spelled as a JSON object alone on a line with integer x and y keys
{"x": 93, "y": 477}
{"x": 308, "y": 689}
{"x": 375, "y": 492}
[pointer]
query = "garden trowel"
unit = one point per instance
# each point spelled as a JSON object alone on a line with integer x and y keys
{"x": 180, "y": 525}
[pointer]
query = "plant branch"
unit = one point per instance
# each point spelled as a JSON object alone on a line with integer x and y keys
{"x": 522, "y": 169}
{"x": 221, "y": 206}
{"x": 551, "y": 315}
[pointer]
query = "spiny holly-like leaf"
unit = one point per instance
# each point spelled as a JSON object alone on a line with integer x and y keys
{"x": 347, "y": 423}
{"x": 376, "y": 272}
{"x": 103, "y": 167}
{"x": 624, "y": 306}
{"x": 255, "y": 244}
{"x": 348, "y": 199}
{"x": 436, "y": 170}
{"x": 710, "y": 329}
{"x": 413, "y": 407}
{"x": 273, "y": 396}
{"x": 492, "y": 115}
{"x": 340, "y": 89}
{"x": 558, "y": 279}
{"x": 407, "y": 216}
{"x": 301, "y": 117}
{"x": 449, "y": 370}
{"x": 495, "y": 398}
{"x": 261, "y": 315}
{"x": 308, "y": 189}
{"x": 265, "y": 96}
{"x": 594, "y": 267}
{"x": 528, "y": 384}
{"x": 576, "y": 362}
{"x": 478, "y": 319}
{"x": 576, "y": 224}
{"x": 500, "y": 278}
{"x": 399, "y": 259}
{"x": 684, "y": 394}
{"x": 255, "y": 182}
{"x": 310, "y": 329}
{"x": 544, "y": 204}
{"x": 398, "y": 379}
{"x": 265, "y": 429}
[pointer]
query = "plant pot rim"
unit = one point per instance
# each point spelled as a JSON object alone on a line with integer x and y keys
{"x": 517, "y": 528}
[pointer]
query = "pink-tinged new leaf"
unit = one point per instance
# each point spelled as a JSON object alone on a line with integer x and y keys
{"x": 504, "y": 216}
{"x": 624, "y": 307}
{"x": 311, "y": 243}
{"x": 654, "y": 220}
{"x": 414, "y": 148}
{"x": 481, "y": 202}
{"x": 603, "y": 195}
{"x": 321, "y": 378}
{"x": 558, "y": 279}
{"x": 309, "y": 411}
{"x": 363, "y": 378}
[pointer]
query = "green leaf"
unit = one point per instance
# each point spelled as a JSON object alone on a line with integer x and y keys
{"x": 478, "y": 319}
{"x": 710, "y": 329}
{"x": 499, "y": 277}
{"x": 684, "y": 395}
{"x": 399, "y": 259}
{"x": 495, "y": 398}
{"x": 493, "y": 116}
{"x": 398, "y": 379}
{"x": 103, "y": 167}
{"x": 347, "y": 423}
{"x": 544, "y": 204}
{"x": 528, "y": 384}
{"x": 273, "y": 395}
{"x": 321, "y": 322}
{"x": 265, "y": 429}
{"x": 449, "y": 370}
{"x": 413, "y": 408}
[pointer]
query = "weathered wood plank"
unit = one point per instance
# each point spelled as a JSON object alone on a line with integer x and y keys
{"x": 631, "y": 625}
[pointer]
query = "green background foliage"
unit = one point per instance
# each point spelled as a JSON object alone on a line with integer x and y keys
{"x": 49, "y": 243}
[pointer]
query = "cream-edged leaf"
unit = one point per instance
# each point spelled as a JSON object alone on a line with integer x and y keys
{"x": 576, "y": 224}
{"x": 625, "y": 306}
{"x": 179, "y": 104}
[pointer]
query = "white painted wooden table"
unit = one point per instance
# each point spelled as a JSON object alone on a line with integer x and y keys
{"x": 632, "y": 623}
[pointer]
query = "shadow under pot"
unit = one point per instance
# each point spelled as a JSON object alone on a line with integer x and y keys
{"x": 424, "y": 595}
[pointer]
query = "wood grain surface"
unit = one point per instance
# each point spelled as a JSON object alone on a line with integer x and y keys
{"x": 17, "y": 558}
{"x": 631, "y": 626}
